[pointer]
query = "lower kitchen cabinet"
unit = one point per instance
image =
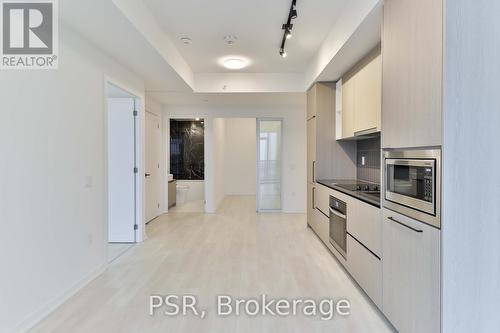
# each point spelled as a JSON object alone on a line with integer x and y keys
{"x": 321, "y": 226}
{"x": 411, "y": 274}
{"x": 365, "y": 268}
{"x": 311, "y": 194}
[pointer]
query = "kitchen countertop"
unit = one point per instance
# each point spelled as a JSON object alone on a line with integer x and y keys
{"x": 371, "y": 199}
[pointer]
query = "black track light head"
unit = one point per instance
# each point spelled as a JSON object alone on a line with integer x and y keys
{"x": 292, "y": 14}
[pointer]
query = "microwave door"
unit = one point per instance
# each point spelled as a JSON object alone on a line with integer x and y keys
{"x": 410, "y": 183}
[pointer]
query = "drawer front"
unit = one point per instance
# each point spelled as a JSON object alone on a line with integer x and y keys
{"x": 322, "y": 202}
{"x": 364, "y": 222}
{"x": 321, "y": 226}
{"x": 366, "y": 269}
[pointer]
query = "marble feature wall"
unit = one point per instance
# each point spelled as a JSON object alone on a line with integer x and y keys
{"x": 187, "y": 157}
{"x": 370, "y": 150}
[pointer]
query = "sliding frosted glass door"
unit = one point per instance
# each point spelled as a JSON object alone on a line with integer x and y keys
{"x": 269, "y": 164}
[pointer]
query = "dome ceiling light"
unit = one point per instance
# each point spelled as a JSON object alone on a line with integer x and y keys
{"x": 288, "y": 26}
{"x": 235, "y": 63}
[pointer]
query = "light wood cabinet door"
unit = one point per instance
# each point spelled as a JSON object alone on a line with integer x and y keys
{"x": 311, "y": 103}
{"x": 368, "y": 97}
{"x": 348, "y": 107}
{"x": 410, "y": 274}
{"x": 412, "y": 73}
{"x": 311, "y": 198}
{"x": 365, "y": 224}
{"x": 311, "y": 150}
{"x": 365, "y": 268}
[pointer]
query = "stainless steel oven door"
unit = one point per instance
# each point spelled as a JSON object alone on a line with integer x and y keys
{"x": 338, "y": 231}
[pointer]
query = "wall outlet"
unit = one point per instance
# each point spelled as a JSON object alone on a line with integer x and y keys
{"x": 87, "y": 182}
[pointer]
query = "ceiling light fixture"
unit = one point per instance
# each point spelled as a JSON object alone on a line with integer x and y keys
{"x": 288, "y": 26}
{"x": 230, "y": 39}
{"x": 235, "y": 63}
{"x": 185, "y": 40}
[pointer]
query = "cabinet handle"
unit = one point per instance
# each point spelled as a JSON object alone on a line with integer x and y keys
{"x": 313, "y": 198}
{"x": 404, "y": 225}
{"x": 313, "y": 173}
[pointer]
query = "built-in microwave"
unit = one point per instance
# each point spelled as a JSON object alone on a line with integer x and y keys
{"x": 412, "y": 183}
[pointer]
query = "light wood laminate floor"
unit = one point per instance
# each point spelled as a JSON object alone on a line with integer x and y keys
{"x": 234, "y": 252}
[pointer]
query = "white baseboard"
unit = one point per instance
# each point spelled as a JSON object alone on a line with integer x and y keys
{"x": 37, "y": 316}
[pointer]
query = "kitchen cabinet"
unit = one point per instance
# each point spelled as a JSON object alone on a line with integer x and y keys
{"x": 365, "y": 224}
{"x": 368, "y": 97}
{"x": 311, "y": 202}
{"x": 311, "y": 150}
{"x": 320, "y": 107}
{"x": 365, "y": 268}
{"x": 321, "y": 226}
{"x": 412, "y": 53}
{"x": 311, "y": 103}
{"x": 362, "y": 97}
{"x": 348, "y": 107}
{"x": 411, "y": 273}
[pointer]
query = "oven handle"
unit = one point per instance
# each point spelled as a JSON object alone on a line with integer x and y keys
{"x": 334, "y": 212}
{"x": 404, "y": 225}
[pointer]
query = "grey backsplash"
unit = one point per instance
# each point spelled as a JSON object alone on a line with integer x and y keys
{"x": 370, "y": 171}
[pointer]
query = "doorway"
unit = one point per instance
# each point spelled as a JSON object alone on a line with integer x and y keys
{"x": 187, "y": 165}
{"x": 269, "y": 157}
{"x": 123, "y": 142}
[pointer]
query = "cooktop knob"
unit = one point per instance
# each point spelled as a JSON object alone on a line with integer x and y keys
{"x": 375, "y": 188}
{"x": 367, "y": 188}
{"x": 358, "y": 188}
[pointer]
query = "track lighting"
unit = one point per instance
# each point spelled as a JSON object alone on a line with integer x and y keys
{"x": 292, "y": 14}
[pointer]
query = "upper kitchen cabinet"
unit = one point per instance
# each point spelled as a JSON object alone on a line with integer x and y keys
{"x": 362, "y": 97}
{"x": 412, "y": 52}
{"x": 320, "y": 122}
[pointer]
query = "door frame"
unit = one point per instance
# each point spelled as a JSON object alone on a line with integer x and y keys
{"x": 257, "y": 189}
{"x": 138, "y": 96}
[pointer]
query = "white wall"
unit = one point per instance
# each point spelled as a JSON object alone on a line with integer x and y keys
{"x": 471, "y": 181}
{"x": 219, "y": 161}
{"x": 240, "y": 156}
{"x": 53, "y": 179}
{"x": 294, "y": 145}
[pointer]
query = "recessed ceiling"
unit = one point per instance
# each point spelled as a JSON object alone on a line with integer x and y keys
{"x": 255, "y": 23}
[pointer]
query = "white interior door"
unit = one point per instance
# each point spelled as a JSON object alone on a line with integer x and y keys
{"x": 269, "y": 139}
{"x": 121, "y": 176}
{"x": 153, "y": 174}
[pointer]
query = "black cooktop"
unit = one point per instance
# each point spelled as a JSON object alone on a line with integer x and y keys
{"x": 367, "y": 192}
{"x": 361, "y": 187}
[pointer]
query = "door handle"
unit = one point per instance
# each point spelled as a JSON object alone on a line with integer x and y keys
{"x": 404, "y": 225}
{"x": 147, "y": 175}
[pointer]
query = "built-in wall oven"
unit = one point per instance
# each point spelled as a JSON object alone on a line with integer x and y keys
{"x": 412, "y": 183}
{"x": 338, "y": 225}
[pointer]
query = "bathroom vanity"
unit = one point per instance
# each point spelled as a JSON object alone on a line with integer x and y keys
{"x": 172, "y": 193}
